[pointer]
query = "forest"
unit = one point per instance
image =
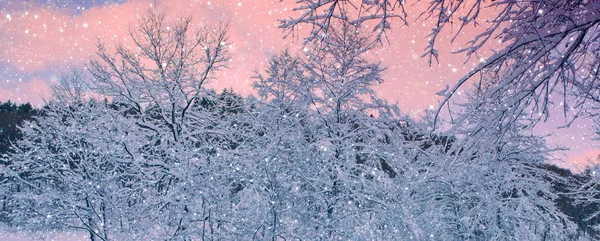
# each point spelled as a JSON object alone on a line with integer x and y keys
{"x": 135, "y": 146}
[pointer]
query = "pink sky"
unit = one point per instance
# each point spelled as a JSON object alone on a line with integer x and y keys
{"x": 38, "y": 42}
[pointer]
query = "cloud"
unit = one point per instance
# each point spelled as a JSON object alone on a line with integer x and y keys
{"x": 578, "y": 162}
{"x": 38, "y": 38}
{"x": 33, "y": 91}
{"x": 41, "y": 38}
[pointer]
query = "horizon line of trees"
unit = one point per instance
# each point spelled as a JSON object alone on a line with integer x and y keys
{"x": 13, "y": 117}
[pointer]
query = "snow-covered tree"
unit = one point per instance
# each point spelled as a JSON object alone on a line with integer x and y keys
{"x": 587, "y": 197}
{"x": 499, "y": 175}
{"x": 89, "y": 165}
{"x": 321, "y": 138}
{"x": 548, "y": 48}
{"x": 75, "y": 168}
{"x": 161, "y": 80}
{"x": 165, "y": 69}
{"x": 387, "y": 176}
